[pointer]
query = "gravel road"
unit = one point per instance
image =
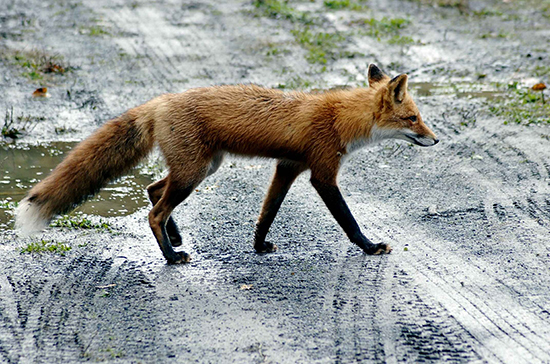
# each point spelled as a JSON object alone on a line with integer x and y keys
{"x": 469, "y": 219}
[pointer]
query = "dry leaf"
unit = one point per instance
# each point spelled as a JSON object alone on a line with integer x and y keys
{"x": 246, "y": 287}
{"x": 539, "y": 87}
{"x": 41, "y": 92}
{"x": 54, "y": 68}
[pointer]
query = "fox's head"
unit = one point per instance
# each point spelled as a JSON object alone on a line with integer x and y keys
{"x": 397, "y": 116}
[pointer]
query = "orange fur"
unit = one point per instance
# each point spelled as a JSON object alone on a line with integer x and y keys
{"x": 195, "y": 128}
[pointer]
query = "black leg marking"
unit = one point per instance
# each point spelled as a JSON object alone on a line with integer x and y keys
{"x": 335, "y": 202}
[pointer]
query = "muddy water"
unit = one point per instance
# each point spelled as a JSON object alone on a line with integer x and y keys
{"x": 23, "y": 167}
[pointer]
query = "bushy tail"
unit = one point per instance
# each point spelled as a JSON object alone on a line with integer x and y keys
{"x": 107, "y": 154}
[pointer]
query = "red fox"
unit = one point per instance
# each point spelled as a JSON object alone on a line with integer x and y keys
{"x": 194, "y": 130}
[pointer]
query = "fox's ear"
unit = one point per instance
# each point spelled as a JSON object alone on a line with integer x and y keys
{"x": 375, "y": 74}
{"x": 398, "y": 87}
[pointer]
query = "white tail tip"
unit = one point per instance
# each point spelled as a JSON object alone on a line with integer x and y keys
{"x": 28, "y": 218}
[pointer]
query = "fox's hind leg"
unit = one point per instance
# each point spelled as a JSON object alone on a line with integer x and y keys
{"x": 155, "y": 191}
{"x": 285, "y": 174}
{"x": 175, "y": 192}
{"x": 186, "y": 172}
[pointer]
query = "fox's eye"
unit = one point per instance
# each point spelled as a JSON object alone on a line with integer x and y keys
{"x": 412, "y": 118}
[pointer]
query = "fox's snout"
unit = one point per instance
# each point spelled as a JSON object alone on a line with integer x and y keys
{"x": 422, "y": 140}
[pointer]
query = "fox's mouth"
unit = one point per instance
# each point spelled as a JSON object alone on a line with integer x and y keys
{"x": 421, "y": 140}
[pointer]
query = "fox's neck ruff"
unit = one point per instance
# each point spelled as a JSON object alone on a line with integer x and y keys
{"x": 355, "y": 117}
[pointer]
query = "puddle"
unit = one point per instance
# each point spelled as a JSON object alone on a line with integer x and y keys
{"x": 23, "y": 167}
{"x": 461, "y": 90}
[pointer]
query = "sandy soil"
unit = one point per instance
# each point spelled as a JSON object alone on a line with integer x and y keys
{"x": 469, "y": 219}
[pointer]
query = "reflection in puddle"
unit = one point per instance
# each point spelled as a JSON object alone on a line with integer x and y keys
{"x": 23, "y": 167}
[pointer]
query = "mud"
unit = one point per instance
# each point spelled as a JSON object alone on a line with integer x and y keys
{"x": 469, "y": 219}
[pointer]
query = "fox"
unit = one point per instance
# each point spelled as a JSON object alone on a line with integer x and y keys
{"x": 195, "y": 129}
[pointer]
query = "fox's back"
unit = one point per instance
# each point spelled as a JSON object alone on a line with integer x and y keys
{"x": 245, "y": 119}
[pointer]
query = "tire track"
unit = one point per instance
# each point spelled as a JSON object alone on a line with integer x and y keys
{"x": 427, "y": 332}
{"x": 38, "y": 326}
{"x": 10, "y": 325}
{"x": 162, "y": 43}
{"x": 516, "y": 332}
{"x": 528, "y": 337}
{"x": 126, "y": 20}
{"x": 197, "y": 44}
{"x": 382, "y": 315}
{"x": 354, "y": 309}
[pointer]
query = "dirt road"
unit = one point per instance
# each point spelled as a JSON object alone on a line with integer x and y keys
{"x": 469, "y": 219}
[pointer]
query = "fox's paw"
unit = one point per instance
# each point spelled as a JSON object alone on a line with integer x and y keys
{"x": 180, "y": 257}
{"x": 377, "y": 249}
{"x": 265, "y": 247}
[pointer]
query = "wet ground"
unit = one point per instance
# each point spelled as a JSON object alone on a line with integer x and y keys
{"x": 469, "y": 219}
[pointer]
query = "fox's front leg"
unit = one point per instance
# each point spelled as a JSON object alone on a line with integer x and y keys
{"x": 285, "y": 174}
{"x": 330, "y": 193}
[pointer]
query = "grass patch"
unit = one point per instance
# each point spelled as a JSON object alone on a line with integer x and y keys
{"x": 296, "y": 83}
{"x": 36, "y": 64}
{"x": 310, "y": 31}
{"x": 483, "y": 13}
{"x": 522, "y": 106}
{"x": 13, "y": 127}
{"x": 272, "y": 49}
{"x": 460, "y": 4}
{"x": 344, "y": 4}
{"x": 541, "y": 71}
{"x": 401, "y": 40}
{"x": 499, "y": 35}
{"x": 8, "y": 204}
{"x": 72, "y": 222}
{"x": 40, "y": 62}
{"x": 97, "y": 31}
{"x": 276, "y": 9}
{"x": 46, "y": 246}
{"x": 385, "y": 27}
{"x": 321, "y": 46}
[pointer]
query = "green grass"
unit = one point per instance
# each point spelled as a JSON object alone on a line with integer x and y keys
{"x": 483, "y": 13}
{"x": 460, "y": 4}
{"x": 385, "y": 27}
{"x": 401, "y": 40}
{"x": 276, "y": 9}
{"x": 36, "y": 65}
{"x": 541, "y": 71}
{"x": 13, "y": 127}
{"x": 499, "y": 35}
{"x": 8, "y": 205}
{"x": 522, "y": 106}
{"x": 80, "y": 223}
{"x": 321, "y": 46}
{"x": 344, "y": 4}
{"x": 46, "y": 246}
{"x": 97, "y": 31}
{"x": 33, "y": 75}
{"x": 309, "y": 31}
{"x": 296, "y": 83}
{"x": 274, "y": 50}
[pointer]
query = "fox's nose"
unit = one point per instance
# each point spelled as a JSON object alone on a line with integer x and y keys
{"x": 436, "y": 141}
